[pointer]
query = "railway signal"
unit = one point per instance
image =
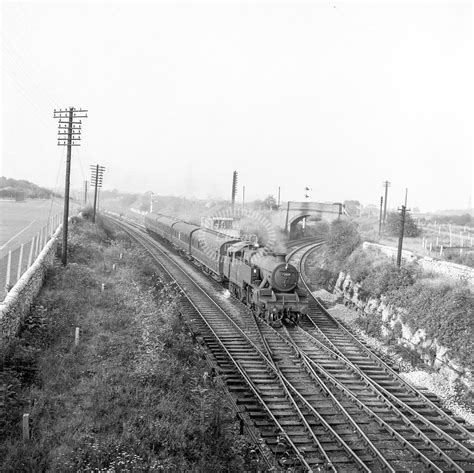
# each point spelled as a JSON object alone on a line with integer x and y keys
{"x": 97, "y": 173}
{"x": 69, "y": 134}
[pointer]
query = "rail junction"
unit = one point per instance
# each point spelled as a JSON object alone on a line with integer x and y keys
{"x": 312, "y": 397}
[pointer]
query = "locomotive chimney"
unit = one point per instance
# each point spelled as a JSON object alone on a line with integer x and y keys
{"x": 280, "y": 257}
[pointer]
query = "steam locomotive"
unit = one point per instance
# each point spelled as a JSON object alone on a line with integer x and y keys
{"x": 265, "y": 282}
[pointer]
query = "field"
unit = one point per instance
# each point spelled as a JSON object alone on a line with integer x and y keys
{"x": 19, "y": 223}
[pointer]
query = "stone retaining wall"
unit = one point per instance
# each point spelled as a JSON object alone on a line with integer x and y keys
{"x": 430, "y": 350}
{"x": 17, "y": 303}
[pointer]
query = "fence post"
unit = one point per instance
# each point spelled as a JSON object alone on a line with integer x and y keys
{"x": 30, "y": 257}
{"x": 45, "y": 235}
{"x": 9, "y": 264}
{"x": 41, "y": 245}
{"x": 20, "y": 261}
{"x": 37, "y": 245}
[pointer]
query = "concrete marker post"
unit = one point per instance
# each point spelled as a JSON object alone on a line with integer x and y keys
{"x": 20, "y": 261}
{"x": 103, "y": 287}
{"x": 26, "y": 426}
{"x": 441, "y": 250}
{"x": 76, "y": 337}
{"x": 121, "y": 255}
{"x": 113, "y": 267}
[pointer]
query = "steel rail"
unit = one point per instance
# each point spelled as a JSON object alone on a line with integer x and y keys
{"x": 289, "y": 386}
{"x": 345, "y": 390}
{"x": 323, "y": 386}
{"x": 336, "y": 352}
{"x": 238, "y": 365}
{"x": 376, "y": 358}
{"x": 408, "y": 422}
{"x": 286, "y": 384}
{"x": 392, "y": 399}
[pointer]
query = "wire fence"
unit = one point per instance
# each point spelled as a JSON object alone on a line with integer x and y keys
{"x": 15, "y": 263}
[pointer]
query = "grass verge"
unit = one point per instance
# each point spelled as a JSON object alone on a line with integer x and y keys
{"x": 131, "y": 396}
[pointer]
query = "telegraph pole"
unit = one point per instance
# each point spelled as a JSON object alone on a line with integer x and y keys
{"x": 85, "y": 192}
{"x": 386, "y": 185}
{"x": 402, "y": 230}
{"x": 234, "y": 190}
{"x": 380, "y": 217}
{"x": 243, "y": 196}
{"x": 97, "y": 172}
{"x": 69, "y": 134}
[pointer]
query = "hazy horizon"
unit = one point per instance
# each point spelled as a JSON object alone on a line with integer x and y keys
{"x": 338, "y": 97}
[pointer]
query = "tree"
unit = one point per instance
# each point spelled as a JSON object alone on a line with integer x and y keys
{"x": 342, "y": 240}
{"x": 270, "y": 203}
{"x": 394, "y": 221}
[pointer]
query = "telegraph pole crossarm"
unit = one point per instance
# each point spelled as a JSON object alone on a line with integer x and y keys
{"x": 97, "y": 173}
{"x": 68, "y": 135}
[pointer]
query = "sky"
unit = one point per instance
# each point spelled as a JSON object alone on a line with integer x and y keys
{"x": 335, "y": 96}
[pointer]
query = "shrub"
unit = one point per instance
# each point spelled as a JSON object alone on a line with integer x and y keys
{"x": 387, "y": 277}
{"x": 394, "y": 225}
{"x": 342, "y": 240}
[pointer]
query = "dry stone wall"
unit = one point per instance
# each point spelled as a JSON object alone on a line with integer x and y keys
{"x": 17, "y": 303}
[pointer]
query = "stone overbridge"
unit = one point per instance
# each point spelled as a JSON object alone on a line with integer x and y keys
{"x": 288, "y": 216}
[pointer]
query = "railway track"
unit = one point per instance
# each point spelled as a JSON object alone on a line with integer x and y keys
{"x": 428, "y": 437}
{"x": 311, "y": 396}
